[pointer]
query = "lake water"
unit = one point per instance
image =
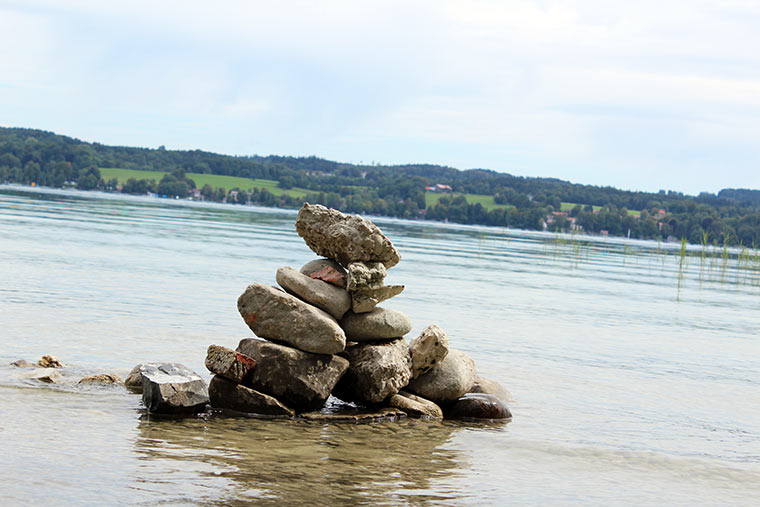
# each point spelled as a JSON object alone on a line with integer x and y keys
{"x": 635, "y": 378}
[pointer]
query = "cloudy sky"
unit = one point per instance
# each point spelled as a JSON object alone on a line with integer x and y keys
{"x": 643, "y": 95}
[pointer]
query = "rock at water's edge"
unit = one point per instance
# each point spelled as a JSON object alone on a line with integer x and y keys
{"x": 342, "y": 237}
{"x": 355, "y": 416}
{"x": 48, "y": 361}
{"x": 103, "y": 378}
{"x": 224, "y": 393}
{"x": 487, "y": 386}
{"x": 228, "y": 363}
{"x": 299, "y": 379}
{"x": 428, "y": 349}
{"x": 321, "y": 294}
{"x": 47, "y": 375}
{"x": 172, "y": 388}
{"x": 276, "y": 315}
{"x": 449, "y": 380}
{"x": 415, "y": 406}
{"x": 379, "y": 324}
{"x": 23, "y": 363}
{"x": 375, "y": 372}
{"x": 478, "y": 406}
{"x": 134, "y": 380}
{"x": 326, "y": 270}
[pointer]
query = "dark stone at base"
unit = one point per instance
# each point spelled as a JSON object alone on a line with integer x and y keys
{"x": 355, "y": 415}
{"x": 478, "y": 406}
{"x": 224, "y": 393}
{"x": 228, "y": 363}
{"x": 103, "y": 378}
{"x": 172, "y": 388}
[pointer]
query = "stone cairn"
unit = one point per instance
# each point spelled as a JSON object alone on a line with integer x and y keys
{"x": 322, "y": 333}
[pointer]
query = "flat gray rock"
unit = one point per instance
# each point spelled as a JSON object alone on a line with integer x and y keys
{"x": 376, "y": 371}
{"x": 428, "y": 349}
{"x": 379, "y": 324}
{"x": 229, "y": 363}
{"x": 276, "y": 315}
{"x": 415, "y": 406}
{"x": 365, "y": 300}
{"x": 344, "y": 238}
{"x": 224, "y": 393}
{"x": 478, "y": 406}
{"x": 172, "y": 388}
{"x": 326, "y": 270}
{"x": 448, "y": 380}
{"x": 365, "y": 275}
{"x": 134, "y": 381}
{"x": 329, "y": 298}
{"x": 299, "y": 379}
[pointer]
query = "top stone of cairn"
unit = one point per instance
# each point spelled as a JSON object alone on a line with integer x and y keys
{"x": 345, "y": 238}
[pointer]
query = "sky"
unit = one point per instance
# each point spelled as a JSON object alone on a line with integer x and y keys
{"x": 643, "y": 95}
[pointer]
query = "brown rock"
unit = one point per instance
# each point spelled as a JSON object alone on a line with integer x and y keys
{"x": 276, "y": 315}
{"x": 486, "y": 386}
{"x": 301, "y": 380}
{"x": 326, "y": 270}
{"x": 415, "y": 406}
{"x": 48, "y": 361}
{"x": 324, "y": 296}
{"x": 345, "y": 238}
{"x": 224, "y": 393}
{"x": 478, "y": 406}
{"x": 103, "y": 378}
{"x": 366, "y": 300}
{"x": 448, "y": 380}
{"x": 355, "y": 416}
{"x": 428, "y": 349}
{"x": 376, "y": 371}
{"x": 228, "y": 363}
{"x": 22, "y": 363}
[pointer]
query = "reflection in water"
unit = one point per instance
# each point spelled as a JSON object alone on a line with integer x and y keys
{"x": 296, "y": 461}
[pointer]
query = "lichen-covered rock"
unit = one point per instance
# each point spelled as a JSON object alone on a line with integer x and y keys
{"x": 487, "y": 386}
{"x": 224, "y": 393}
{"x": 428, "y": 349}
{"x": 415, "y": 406}
{"x": 379, "y": 324}
{"x": 329, "y": 298}
{"x": 103, "y": 378}
{"x": 478, "y": 406}
{"x": 345, "y": 238}
{"x": 448, "y": 380}
{"x": 48, "y": 361}
{"x": 276, "y": 315}
{"x": 375, "y": 372}
{"x": 299, "y": 379}
{"x": 365, "y": 275}
{"x": 228, "y": 363}
{"x": 365, "y": 300}
{"x": 172, "y": 388}
{"x": 326, "y": 270}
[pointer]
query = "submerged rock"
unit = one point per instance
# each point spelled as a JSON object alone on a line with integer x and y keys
{"x": 299, "y": 379}
{"x": 428, "y": 349}
{"x": 103, "y": 378}
{"x": 448, "y": 380}
{"x": 486, "y": 386}
{"x": 478, "y": 406}
{"x": 22, "y": 363}
{"x": 365, "y": 300}
{"x": 172, "y": 388}
{"x": 228, "y": 363}
{"x": 365, "y": 275}
{"x": 375, "y": 372}
{"x": 342, "y": 237}
{"x": 326, "y": 270}
{"x": 355, "y": 415}
{"x": 415, "y": 406}
{"x": 324, "y": 296}
{"x": 224, "y": 393}
{"x": 47, "y": 375}
{"x": 379, "y": 324}
{"x": 48, "y": 361}
{"x": 276, "y": 315}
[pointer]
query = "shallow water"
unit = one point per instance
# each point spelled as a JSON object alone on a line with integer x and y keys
{"x": 633, "y": 381}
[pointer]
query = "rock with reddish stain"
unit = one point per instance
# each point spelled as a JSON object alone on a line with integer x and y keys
{"x": 276, "y": 315}
{"x": 326, "y": 270}
{"x": 228, "y": 363}
{"x": 345, "y": 238}
{"x": 224, "y": 393}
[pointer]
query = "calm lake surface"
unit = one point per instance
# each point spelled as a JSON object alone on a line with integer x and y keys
{"x": 635, "y": 375}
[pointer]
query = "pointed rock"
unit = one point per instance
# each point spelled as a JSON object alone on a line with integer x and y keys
{"x": 428, "y": 349}
{"x": 321, "y": 294}
{"x": 276, "y": 315}
{"x": 228, "y": 363}
{"x": 299, "y": 379}
{"x": 224, "y": 393}
{"x": 379, "y": 324}
{"x": 366, "y": 300}
{"x": 376, "y": 371}
{"x": 326, "y": 270}
{"x": 448, "y": 380}
{"x": 345, "y": 238}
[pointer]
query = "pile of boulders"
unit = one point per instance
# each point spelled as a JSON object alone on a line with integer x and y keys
{"x": 322, "y": 333}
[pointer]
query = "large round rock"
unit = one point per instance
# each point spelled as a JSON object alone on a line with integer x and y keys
{"x": 276, "y": 315}
{"x": 478, "y": 406}
{"x": 299, "y": 379}
{"x": 329, "y": 298}
{"x": 345, "y": 238}
{"x": 379, "y": 324}
{"x": 448, "y": 380}
{"x": 376, "y": 371}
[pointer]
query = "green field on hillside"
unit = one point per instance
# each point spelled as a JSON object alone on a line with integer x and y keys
{"x": 215, "y": 180}
{"x": 567, "y": 206}
{"x": 485, "y": 200}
